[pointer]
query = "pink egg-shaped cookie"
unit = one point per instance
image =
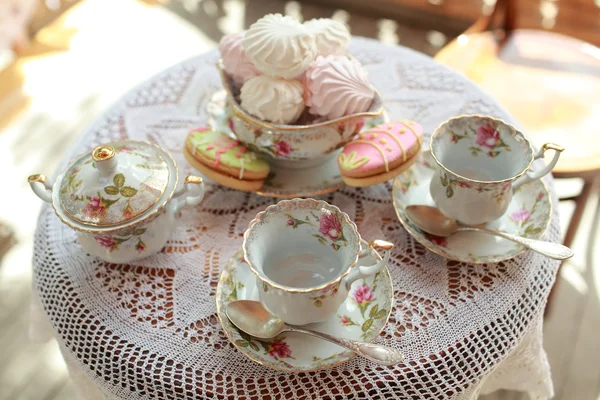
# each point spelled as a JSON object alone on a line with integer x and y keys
{"x": 236, "y": 62}
{"x": 381, "y": 153}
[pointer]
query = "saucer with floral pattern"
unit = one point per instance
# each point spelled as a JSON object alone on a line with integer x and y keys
{"x": 528, "y": 215}
{"x": 362, "y": 316}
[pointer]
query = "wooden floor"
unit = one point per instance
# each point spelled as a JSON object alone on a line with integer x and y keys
{"x": 53, "y": 91}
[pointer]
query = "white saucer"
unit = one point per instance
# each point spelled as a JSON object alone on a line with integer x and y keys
{"x": 528, "y": 215}
{"x": 296, "y": 352}
{"x": 284, "y": 182}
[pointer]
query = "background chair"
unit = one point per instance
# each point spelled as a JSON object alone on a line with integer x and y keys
{"x": 550, "y": 82}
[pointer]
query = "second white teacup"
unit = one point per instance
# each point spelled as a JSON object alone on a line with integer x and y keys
{"x": 304, "y": 253}
{"x": 480, "y": 162}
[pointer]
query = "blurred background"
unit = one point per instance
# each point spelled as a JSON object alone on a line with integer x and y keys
{"x": 63, "y": 62}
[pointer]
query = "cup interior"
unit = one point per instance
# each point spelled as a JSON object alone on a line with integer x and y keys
{"x": 301, "y": 243}
{"x": 481, "y": 148}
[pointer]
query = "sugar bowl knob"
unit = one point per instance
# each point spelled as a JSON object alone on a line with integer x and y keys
{"x": 104, "y": 158}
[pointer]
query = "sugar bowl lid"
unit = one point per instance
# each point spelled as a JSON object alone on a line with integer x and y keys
{"x": 115, "y": 183}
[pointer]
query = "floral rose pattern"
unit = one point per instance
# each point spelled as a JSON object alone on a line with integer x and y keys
{"x": 106, "y": 241}
{"x": 328, "y": 224}
{"x": 328, "y": 291}
{"x": 279, "y": 349}
{"x": 112, "y": 243}
{"x": 452, "y": 182}
{"x": 94, "y": 208}
{"x": 487, "y": 140}
{"x": 527, "y": 219}
{"x": 521, "y": 215}
{"x": 487, "y": 136}
{"x": 362, "y": 294}
{"x": 282, "y": 148}
{"x": 141, "y": 246}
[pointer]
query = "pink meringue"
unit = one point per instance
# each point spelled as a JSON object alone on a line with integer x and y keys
{"x": 335, "y": 86}
{"x": 236, "y": 62}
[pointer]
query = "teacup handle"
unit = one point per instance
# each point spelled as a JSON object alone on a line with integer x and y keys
{"x": 533, "y": 175}
{"x": 363, "y": 271}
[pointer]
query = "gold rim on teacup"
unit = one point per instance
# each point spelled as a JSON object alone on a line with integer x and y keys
{"x": 239, "y": 112}
{"x": 260, "y": 217}
{"x": 516, "y": 132}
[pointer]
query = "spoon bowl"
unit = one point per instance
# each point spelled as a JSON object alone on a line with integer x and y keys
{"x": 252, "y": 318}
{"x": 431, "y": 220}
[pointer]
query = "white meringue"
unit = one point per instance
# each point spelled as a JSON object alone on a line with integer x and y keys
{"x": 335, "y": 86}
{"x": 279, "y": 46}
{"x": 273, "y": 99}
{"x": 332, "y": 37}
{"x": 235, "y": 61}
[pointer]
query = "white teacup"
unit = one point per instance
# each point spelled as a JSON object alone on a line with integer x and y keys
{"x": 481, "y": 161}
{"x": 304, "y": 254}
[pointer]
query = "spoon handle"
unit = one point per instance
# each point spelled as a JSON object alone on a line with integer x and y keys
{"x": 382, "y": 355}
{"x": 552, "y": 250}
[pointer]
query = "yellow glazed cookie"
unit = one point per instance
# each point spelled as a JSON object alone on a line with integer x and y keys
{"x": 225, "y": 160}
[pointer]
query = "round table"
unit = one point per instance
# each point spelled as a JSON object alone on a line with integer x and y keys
{"x": 149, "y": 330}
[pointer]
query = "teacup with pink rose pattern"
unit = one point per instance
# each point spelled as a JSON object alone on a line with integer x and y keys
{"x": 305, "y": 254}
{"x": 480, "y": 162}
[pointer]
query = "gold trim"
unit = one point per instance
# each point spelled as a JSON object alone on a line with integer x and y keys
{"x": 552, "y": 146}
{"x": 239, "y": 112}
{"x": 378, "y": 244}
{"x": 517, "y": 133}
{"x": 36, "y": 178}
{"x": 303, "y": 194}
{"x": 351, "y": 355}
{"x": 139, "y": 219}
{"x": 192, "y": 179}
{"x": 103, "y": 153}
{"x": 319, "y": 203}
{"x": 445, "y": 255}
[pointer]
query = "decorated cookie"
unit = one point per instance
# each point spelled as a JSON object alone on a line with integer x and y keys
{"x": 225, "y": 160}
{"x": 381, "y": 153}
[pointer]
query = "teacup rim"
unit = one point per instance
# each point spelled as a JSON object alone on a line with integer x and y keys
{"x": 239, "y": 112}
{"x": 259, "y": 217}
{"x": 463, "y": 116}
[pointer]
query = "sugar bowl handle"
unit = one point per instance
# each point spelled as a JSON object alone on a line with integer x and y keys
{"x": 533, "y": 175}
{"x": 364, "y": 271}
{"x": 40, "y": 187}
{"x": 191, "y": 195}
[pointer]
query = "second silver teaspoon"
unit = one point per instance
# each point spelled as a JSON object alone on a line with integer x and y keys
{"x": 251, "y": 317}
{"x": 431, "y": 220}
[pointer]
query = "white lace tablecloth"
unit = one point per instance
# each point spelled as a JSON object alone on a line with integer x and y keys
{"x": 149, "y": 330}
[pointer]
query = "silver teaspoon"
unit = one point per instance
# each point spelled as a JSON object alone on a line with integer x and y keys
{"x": 431, "y": 220}
{"x": 251, "y": 317}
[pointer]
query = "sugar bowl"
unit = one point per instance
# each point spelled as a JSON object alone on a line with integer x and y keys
{"x": 121, "y": 198}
